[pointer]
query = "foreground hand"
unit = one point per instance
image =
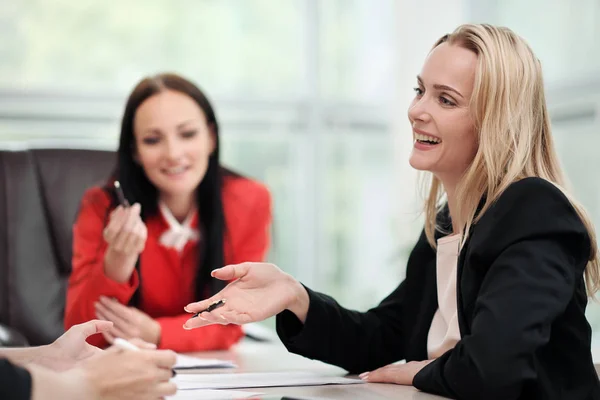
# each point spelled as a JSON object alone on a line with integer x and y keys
{"x": 71, "y": 347}
{"x": 126, "y": 374}
{"x": 259, "y": 291}
{"x": 128, "y": 322}
{"x": 400, "y": 374}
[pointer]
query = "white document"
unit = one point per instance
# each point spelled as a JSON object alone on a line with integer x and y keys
{"x": 257, "y": 380}
{"x": 188, "y": 362}
{"x": 212, "y": 395}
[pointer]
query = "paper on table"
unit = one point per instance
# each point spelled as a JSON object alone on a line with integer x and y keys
{"x": 255, "y": 380}
{"x": 212, "y": 395}
{"x": 188, "y": 362}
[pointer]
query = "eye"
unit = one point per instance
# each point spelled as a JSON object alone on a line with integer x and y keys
{"x": 418, "y": 91}
{"x": 446, "y": 102}
{"x": 189, "y": 134}
{"x": 151, "y": 140}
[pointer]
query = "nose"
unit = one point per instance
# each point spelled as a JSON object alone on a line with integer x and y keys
{"x": 419, "y": 110}
{"x": 174, "y": 149}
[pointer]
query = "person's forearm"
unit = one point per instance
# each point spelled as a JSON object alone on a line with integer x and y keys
{"x": 118, "y": 266}
{"x": 301, "y": 301}
{"x": 24, "y": 356}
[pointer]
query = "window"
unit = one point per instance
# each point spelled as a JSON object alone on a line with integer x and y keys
{"x": 300, "y": 87}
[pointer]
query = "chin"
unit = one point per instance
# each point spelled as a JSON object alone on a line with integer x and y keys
{"x": 419, "y": 164}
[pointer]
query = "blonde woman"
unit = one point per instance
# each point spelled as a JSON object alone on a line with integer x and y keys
{"x": 496, "y": 287}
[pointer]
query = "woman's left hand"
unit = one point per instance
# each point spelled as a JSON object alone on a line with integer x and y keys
{"x": 400, "y": 374}
{"x": 129, "y": 322}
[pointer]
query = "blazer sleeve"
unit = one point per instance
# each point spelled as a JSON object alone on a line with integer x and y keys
{"x": 88, "y": 281}
{"x": 538, "y": 247}
{"x": 15, "y": 381}
{"x": 356, "y": 341}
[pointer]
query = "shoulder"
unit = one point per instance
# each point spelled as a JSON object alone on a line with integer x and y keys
{"x": 528, "y": 209}
{"x": 95, "y": 200}
{"x": 244, "y": 194}
{"x": 530, "y": 200}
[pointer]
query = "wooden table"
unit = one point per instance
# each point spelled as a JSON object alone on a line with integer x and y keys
{"x": 251, "y": 356}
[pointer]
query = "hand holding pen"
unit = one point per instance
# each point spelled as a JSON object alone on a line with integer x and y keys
{"x": 130, "y": 345}
{"x": 125, "y": 235}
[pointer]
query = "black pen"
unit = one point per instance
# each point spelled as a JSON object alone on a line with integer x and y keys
{"x": 121, "y": 195}
{"x": 213, "y": 306}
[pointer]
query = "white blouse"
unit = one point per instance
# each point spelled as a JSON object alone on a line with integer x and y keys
{"x": 444, "y": 332}
{"x": 178, "y": 234}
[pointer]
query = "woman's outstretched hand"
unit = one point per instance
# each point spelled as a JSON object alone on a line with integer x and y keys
{"x": 257, "y": 291}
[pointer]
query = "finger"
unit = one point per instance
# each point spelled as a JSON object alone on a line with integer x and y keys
{"x": 119, "y": 333}
{"x": 143, "y": 238}
{"x": 389, "y": 374}
{"x": 219, "y": 315}
{"x": 92, "y": 327}
{"x": 163, "y": 374}
{"x": 117, "y": 219}
{"x": 162, "y": 358}
{"x": 237, "y": 318}
{"x": 109, "y": 337}
{"x": 203, "y": 304}
{"x": 115, "y": 331}
{"x": 231, "y": 272}
{"x": 142, "y": 344}
{"x": 197, "y": 322}
{"x": 111, "y": 314}
{"x": 132, "y": 215}
{"x": 165, "y": 389}
{"x": 212, "y": 318}
{"x": 135, "y": 239}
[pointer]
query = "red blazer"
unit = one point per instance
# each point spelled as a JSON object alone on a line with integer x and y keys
{"x": 169, "y": 276}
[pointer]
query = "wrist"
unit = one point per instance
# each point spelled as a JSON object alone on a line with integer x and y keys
{"x": 157, "y": 333}
{"x": 78, "y": 384}
{"x": 300, "y": 301}
{"x": 119, "y": 266}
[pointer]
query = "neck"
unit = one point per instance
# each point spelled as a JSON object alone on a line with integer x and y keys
{"x": 180, "y": 206}
{"x": 450, "y": 189}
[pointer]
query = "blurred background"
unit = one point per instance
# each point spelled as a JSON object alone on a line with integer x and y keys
{"x": 311, "y": 96}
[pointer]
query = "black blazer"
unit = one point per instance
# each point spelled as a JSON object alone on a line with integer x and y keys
{"x": 521, "y": 301}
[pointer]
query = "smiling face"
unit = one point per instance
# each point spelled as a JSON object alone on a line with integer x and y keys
{"x": 173, "y": 142}
{"x": 445, "y": 139}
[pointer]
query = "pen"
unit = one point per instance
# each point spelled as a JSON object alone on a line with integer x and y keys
{"x": 127, "y": 345}
{"x": 120, "y": 194}
{"x": 213, "y": 306}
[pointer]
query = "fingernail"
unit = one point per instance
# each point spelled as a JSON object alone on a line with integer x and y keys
{"x": 186, "y": 309}
{"x": 186, "y": 327}
{"x": 364, "y": 375}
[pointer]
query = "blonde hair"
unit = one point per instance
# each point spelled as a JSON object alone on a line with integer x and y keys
{"x": 509, "y": 110}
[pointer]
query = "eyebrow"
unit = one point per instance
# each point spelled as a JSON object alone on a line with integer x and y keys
{"x": 179, "y": 126}
{"x": 184, "y": 123}
{"x": 441, "y": 87}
